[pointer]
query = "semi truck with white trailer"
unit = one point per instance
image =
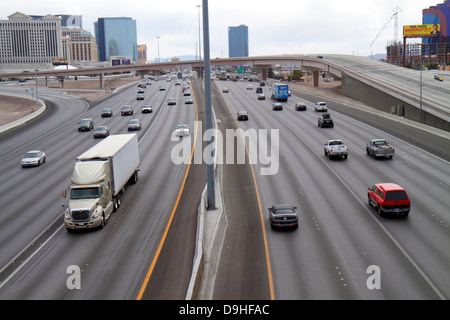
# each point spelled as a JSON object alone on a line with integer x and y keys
{"x": 99, "y": 177}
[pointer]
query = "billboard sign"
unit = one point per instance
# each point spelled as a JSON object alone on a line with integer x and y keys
{"x": 422, "y": 31}
{"x": 60, "y": 62}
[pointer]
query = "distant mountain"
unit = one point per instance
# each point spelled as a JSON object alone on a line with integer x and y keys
{"x": 378, "y": 56}
{"x": 182, "y": 58}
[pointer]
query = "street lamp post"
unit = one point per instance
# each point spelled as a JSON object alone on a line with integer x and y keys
{"x": 35, "y": 78}
{"x": 199, "y": 42}
{"x": 157, "y": 38}
{"x": 211, "y": 195}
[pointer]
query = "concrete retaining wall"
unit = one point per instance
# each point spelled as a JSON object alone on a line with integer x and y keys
{"x": 383, "y": 101}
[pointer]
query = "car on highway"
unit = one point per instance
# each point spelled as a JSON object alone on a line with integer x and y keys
{"x": 321, "y": 107}
{"x": 186, "y": 92}
{"x": 162, "y": 88}
{"x": 188, "y": 100}
{"x": 126, "y": 110}
{"x": 101, "y": 132}
{"x": 335, "y": 148}
{"x": 325, "y": 120}
{"x": 86, "y": 124}
{"x": 249, "y": 87}
{"x": 380, "y": 148}
{"x": 277, "y": 106}
{"x": 242, "y": 115}
{"x": 261, "y": 96}
{"x": 171, "y": 101}
{"x": 106, "y": 112}
{"x": 389, "y": 198}
{"x": 141, "y": 90}
{"x": 140, "y": 96}
{"x": 283, "y": 216}
{"x": 182, "y": 130}
{"x": 134, "y": 124}
{"x": 300, "y": 106}
{"x": 146, "y": 108}
{"x": 33, "y": 158}
{"x": 225, "y": 90}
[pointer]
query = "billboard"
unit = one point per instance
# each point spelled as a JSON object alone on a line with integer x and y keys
{"x": 422, "y": 30}
{"x": 60, "y": 62}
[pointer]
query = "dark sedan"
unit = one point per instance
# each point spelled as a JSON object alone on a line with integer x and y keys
{"x": 101, "y": 132}
{"x": 283, "y": 216}
{"x": 277, "y": 106}
{"x": 126, "y": 110}
{"x": 134, "y": 124}
{"x": 106, "y": 112}
{"x": 242, "y": 115}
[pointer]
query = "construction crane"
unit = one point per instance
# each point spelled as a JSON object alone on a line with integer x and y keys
{"x": 394, "y": 15}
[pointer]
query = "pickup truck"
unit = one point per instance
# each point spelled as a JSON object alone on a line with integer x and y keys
{"x": 380, "y": 148}
{"x": 389, "y": 198}
{"x": 335, "y": 148}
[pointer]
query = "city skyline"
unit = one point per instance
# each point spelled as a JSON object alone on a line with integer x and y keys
{"x": 304, "y": 27}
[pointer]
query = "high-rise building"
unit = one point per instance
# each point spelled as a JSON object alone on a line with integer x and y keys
{"x": 142, "y": 53}
{"x": 116, "y": 37}
{"x": 238, "y": 41}
{"x": 27, "y": 42}
{"x": 79, "y": 45}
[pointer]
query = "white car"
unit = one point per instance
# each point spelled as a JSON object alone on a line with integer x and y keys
{"x": 182, "y": 130}
{"x": 33, "y": 158}
{"x": 321, "y": 107}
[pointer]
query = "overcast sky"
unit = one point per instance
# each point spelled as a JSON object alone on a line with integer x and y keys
{"x": 275, "y": 27}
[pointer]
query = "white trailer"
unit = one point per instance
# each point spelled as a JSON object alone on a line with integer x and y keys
{"x": 99, "y": 175}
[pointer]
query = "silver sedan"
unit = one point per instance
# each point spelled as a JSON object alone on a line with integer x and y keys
{"x": 33, "y": 158}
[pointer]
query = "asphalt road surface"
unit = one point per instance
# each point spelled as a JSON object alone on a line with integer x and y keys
{"x": 341, "y": 238}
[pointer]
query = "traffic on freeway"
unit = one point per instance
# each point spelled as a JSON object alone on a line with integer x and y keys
{"x": 347, "y": 245}
{"x": 113, "y": 261}
{"x": 308, "y": 212}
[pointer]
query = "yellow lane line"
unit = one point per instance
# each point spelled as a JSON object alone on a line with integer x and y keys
{"x": 166, "y": 231}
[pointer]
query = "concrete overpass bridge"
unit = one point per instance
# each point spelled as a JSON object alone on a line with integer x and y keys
{"x": 409, "y": 93}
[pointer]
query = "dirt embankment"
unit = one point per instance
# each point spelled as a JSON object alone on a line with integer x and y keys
{"x": 14, "y": 108}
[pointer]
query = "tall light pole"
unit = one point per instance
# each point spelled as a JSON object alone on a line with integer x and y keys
{"x": 211, "y": 194}
{"x": 35, "y": 78}
{"x": 199, "y": 42}
{"x": 157, "y": 39}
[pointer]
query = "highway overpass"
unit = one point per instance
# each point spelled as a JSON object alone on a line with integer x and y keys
{"x": 386, "y": 87}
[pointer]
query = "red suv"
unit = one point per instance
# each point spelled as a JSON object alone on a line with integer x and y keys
{"x": 389, "y": 198}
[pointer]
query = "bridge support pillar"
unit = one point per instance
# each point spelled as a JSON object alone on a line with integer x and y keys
{"x": 100, "y": 78}
{"x": 199, "y": 71}
{"x": 316, "y": 79}
{"x": 264, "y": 74}
{"x": 61, "y": 82}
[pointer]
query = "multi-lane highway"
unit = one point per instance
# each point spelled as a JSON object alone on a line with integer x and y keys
{"x": 35, "y": 248}
{"x": 341, "y": 239}
{"x": 330, "y": 256}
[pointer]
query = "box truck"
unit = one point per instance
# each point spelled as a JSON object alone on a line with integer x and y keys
{"x": 99, "y": 177}
{"x": 280, "y": 92}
